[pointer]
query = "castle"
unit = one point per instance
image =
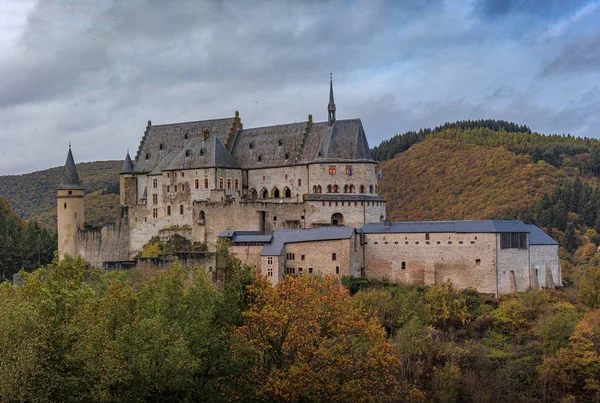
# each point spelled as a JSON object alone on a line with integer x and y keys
{"x": 293, "y": 199}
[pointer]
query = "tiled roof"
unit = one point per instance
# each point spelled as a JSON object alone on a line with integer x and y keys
{"x": 539, "y": 237}
{"x": 446, "y": 226}
{"x": 281, "y": 237}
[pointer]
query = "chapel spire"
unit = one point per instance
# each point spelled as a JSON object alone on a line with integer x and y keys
{"x": 331, "y": 106}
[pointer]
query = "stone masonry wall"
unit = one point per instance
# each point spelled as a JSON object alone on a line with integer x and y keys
{"x": 516, "y": 260}
{"x": 541, "y": 257}
{"x": 109, "y": 244}
{"x": 468, "y": 260}
{"x": 362, "y": 174}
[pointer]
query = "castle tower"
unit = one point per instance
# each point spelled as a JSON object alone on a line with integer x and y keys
{"x": 331, "y": 106}
{"x": 69, "y": 208}
{"x": 128, "y": 183}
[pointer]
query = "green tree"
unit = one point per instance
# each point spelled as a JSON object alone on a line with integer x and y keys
{"x": 570, "y": 241}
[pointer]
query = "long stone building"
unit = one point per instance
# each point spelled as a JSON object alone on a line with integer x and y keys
{"x": 295, "y": 199}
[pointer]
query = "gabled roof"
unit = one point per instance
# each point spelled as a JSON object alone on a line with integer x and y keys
{"x": 172, "y": 137}
{"x": 198, "y": 153}
{"x": 281, "y": 237}
{"x": 246, "y": 236}
{"x": 466, "y": 226}
{"x": 539, "y": 237}
{"x": 70, "y": 179}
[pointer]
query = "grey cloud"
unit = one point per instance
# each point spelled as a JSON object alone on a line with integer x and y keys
{"x": 541, "y": 8}
{"x": 582, "y": 56}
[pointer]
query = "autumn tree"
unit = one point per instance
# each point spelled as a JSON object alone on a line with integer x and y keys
{"x": 303, "y": 340}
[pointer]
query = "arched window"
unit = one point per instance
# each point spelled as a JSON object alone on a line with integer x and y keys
{"x": 161, "y": 147}
{"x": 328, "y": 188}
{"x": 201, "y": 216}
{"x": 265, "y": 193}
{"x": 333, "y": 256}
{"x": 351, "y": 189}
{"x": 275, "y": 193}
{"x": 336, "y": 189}
{"x": 314, "y": 188}
{"x": 362, "y": 188}
{"x": 345, "y": 188}
{"x": 381, "y": 220}
{"x": 337, "y": 219}
{"x": 371, "y": 189}
{"x": 287, "y": 192}
{"x": 253, "y": 194}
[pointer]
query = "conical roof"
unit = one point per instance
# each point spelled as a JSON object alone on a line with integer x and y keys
{"x": 70, "y": 178}
{"x": 331, "y": 106}
{"x": 127, "y": 165}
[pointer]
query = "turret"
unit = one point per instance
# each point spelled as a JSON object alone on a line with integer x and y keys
{"x": 70, "y": 208}
{"x": 128, "y": 183}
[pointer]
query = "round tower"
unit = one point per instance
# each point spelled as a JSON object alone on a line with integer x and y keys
{"x": 69, "y": 208}
{"x": 128, "y": 183}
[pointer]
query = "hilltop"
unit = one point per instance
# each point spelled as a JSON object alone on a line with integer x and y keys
{"x": 33, "y": 195}
{"x": 439, "y": 179}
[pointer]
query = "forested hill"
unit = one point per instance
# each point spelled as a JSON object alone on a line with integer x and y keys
{"x": 6, "y": 212}
{"x": 557, "y": 150}
{"x": 33, "y": 195}
{"x": 441, "y": 179}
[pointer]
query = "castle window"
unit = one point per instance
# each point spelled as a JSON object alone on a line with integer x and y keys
{"x": 275, "y": 193}
{"x": 196, "y": 183}
{"x": 403, "y": 266}
{"x": 155, "y": 198}
{"x": 185, "y": 136}
{"x": 279, "y": 143}
{"x": 259, "y": 158}
{"x": 154, "y": 213}
{"x": 362, "y": 203}
{"x": 65, "y": 205}
{"x": 333, "y": 256}
{"x": 438, "y": 242}
{"x": 161, "y": 147}
{"x": 181, "y": 209}
{"x": 220, "y": 183}
{"x": 478, "y": 262}
{"x": 168, "y": 188}
{"x": 472, "y": 242}
{"x": 168, "y": 210}
{"x": 362, "y": 188}
{"x": 460, "y": 242}
{"x": 228, "y": 183}
{"x": 182, "y": 174}
{"x": 310, "y": 270}
{"x": 269, "y": 260}
{"x": 299, "y": 270}
{"x": 237, "y": 184}
{"x": 205, "y": 183}
{"x": 147, "y": 156}
{"x": 351, "y": 188}
{"x": 301, "y": 257}
{"x": 331, "y": 169}
{"x": 513, "y": 240}
{"x": 299, "y": 182}
{"x": 319, "y": 189}
{"x": 371, "y": 189}
{"x": 349, "y": 170}
{"x": 251, "y": 146}
{"x": 337, "y": 269}
{"x": 328, "y": 188}
{"x": 287, "y": 156}
{"x": 70, "y": 192}
{"x": 265, "y": 193}
{"x": 175, "y": 188}
{"x": 202, "y": 152}
{"x": 187, "y": 153}
{"x": 345, "y": 188}
{"x": 275, "y": 218}
{"x": 427, "y": 237}
{"x": 314, "y": 188}
{"x": 270, "y": 269}
{"x": 336, "y": 189}
{"x": 154, "y": 183}
{"x": 291, "y": 256}
{"x": 355, "y": 204}
{"x": 287, "y": 192}
{"x": 201, "y": 216}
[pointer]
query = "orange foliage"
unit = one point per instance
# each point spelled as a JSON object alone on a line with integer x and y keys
{"x": 305, "y": 341}
{"x": 441, "y": 179}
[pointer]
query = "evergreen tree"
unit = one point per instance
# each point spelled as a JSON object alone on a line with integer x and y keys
{"x": 570, "y": 241}
{"x": 543, "y": 211}
{"x": 560, "y": 214}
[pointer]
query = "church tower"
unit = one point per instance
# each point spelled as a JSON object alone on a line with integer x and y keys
{"x": 69, "y": 208}
{"x": 331, "y": 106}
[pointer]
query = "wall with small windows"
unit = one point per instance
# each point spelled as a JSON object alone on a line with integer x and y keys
{"x": 355, "y": 213}
{"x": 345, "y": 177}
{"x": 468, "y": 260}
{"x": 276, "y": 181}
{"x": 514, "y": 272}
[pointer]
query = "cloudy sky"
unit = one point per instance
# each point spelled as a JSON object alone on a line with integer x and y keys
{"x": 93, "y": 72}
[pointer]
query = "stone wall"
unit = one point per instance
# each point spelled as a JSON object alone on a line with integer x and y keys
{"x": 248, "y": 255}
{"x": 362, "y": 174}
{"x": 468, "y": 260}
{"x": 293, "y": 177}
{"x": 109, "y": 244}
{"x": 543, "y": 257}
{"x": 355, "y": 213}
{"x": 517, "y": 262}
{"x": 69, "y": 219}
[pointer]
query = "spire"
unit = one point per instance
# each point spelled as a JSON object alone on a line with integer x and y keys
{"x": 70, "y": 178}
{"x": 331, "y": 106}
{"x": 127, "y": 164}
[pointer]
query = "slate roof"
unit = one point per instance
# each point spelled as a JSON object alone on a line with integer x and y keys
{"x": 172, "y": 137}
{"x": 127, "y": 165}
{"x": 447, "y": 226}
{"x": 246, "y": 236}
{"x": 198, "y": 153}
{"x": 539, "y": 237}
{"x": 342, "y": 197}
{"x": 281, "y": 237}
{"x": 70, "y": 179}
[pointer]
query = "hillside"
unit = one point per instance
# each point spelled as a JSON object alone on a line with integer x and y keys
{"x": 33, "y": 195}
{"x": 5, "y": 211}
{"x": 440, "y": 179}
